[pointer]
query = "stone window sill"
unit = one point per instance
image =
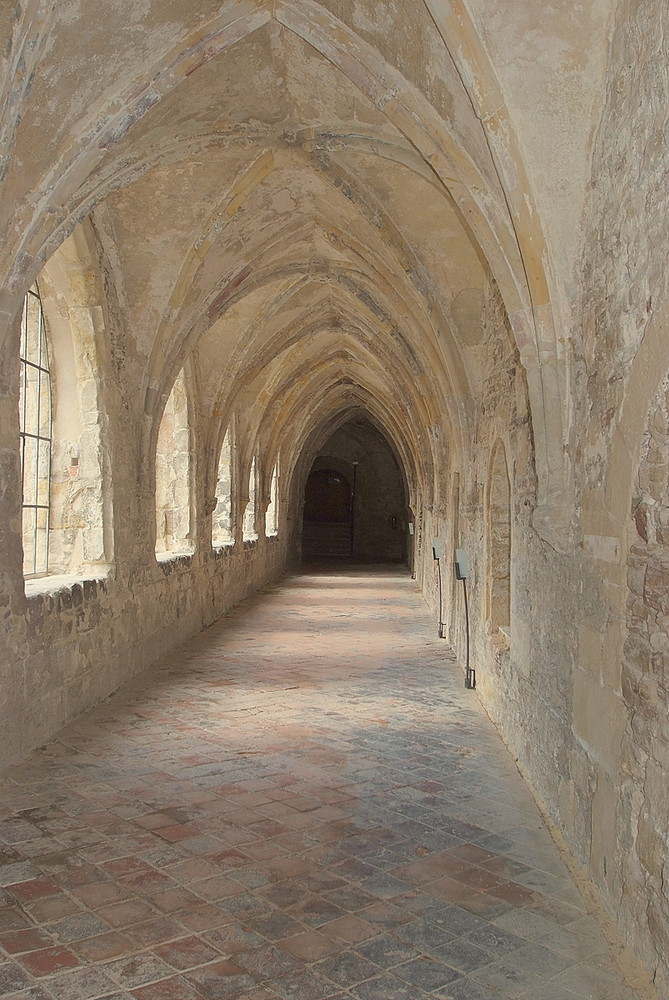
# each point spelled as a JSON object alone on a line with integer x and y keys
{"x": 45, "y": 586}
{"x": 224, "y": 546}
{"x": 169, "y": 561}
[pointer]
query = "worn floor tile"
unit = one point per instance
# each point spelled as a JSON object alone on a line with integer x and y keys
{"x": 302, "y": 803}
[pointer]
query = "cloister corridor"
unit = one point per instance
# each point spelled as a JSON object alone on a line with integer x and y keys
{"x": 303, "y": 802}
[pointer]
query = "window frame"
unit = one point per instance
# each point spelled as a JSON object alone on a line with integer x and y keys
{"x": 36, "y": 559}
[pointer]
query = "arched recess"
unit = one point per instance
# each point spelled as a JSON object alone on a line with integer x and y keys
{"x": 222, "y": 526}
{"x": 498, "y": 523}
{"x": 272, "y": 511}
{"x": 81, "y": 515}
{"x": 173, "y": 470}
{"x": 250, "y": 502}
{"x": 456, "y": 602}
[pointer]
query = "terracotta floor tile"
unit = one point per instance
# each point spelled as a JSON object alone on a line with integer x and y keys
{"x": 37, "y": 888}
{"x": 16, "y": 942}
{"x": 156, "y": 931}
{"x": 121, "y": 867}
{"x": 264, "y": 850}
{"x": 484, "y": 905}
{"x": 175, "y": 988}
{"x": 221, "y": 979}
{"x": 155, "y": 821}
{"x": 301, "y": 803}
{"x": 46, "y": 961}
{"x": 310, "y": 946}
{"x": 192, "y": 870}
{"x": 138, "y": 970}
{"x": 104, "y": 947}
{"x": 218, "y": 887}
{"x": 448, "y": 889}
{"x": 11, "y": 919}
{"x": 350, "y": 928}
{"x": 384, "y": 914}
{"x": 179, "y": 832}
{"x": 204, "y": 916}
{"x": 81, "y": 984}
{"x": 233, "y": 938}
{"x": 101, "y": 893}
{"x": 173, "y": 900}
{"x": 126, "y": 913}
{"x": 186, "y": 953}
{"x": 288, "y": 868}
{"x": 144, "y": 883}
{"x": 13, "y": 978}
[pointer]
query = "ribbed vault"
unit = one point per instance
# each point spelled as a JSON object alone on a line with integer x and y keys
{"x": 292, "y": 197}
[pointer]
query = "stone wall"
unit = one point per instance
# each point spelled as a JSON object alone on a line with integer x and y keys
{"x": 618, "y": 763}
{"x": 642, "y": 811}
{"x": 75, "y": 641}
{"x": 578, "y": 688}
{"x": 314, "y": 216}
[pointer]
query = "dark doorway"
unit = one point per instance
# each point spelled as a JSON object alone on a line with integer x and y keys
{"x": 355, "y": 499}
{"x": 326, "y": 530}
{"x": 327, "y": 497}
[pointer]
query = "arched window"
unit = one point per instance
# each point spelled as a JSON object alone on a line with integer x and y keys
{"x": 499, "y": 542}
{"x": 272, "y": 515}
{"x": 35, "y": 434}
{"x": 250, "y": 532}
{"x": 65, "y": 463}
{"x": 221, "y": 526}
{"x": 173, "y": 474}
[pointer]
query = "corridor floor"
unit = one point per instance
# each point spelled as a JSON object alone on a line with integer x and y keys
{"x": 302, "y": 803}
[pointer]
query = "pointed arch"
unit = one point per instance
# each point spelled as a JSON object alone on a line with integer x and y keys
{"x": 173, "y": 489}
{"x": 498, "y": 526}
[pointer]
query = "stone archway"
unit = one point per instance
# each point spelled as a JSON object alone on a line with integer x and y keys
{"x": 355, "y": 499}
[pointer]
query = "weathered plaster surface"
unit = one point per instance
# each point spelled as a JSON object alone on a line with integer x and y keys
{"x": 448, "y": 218}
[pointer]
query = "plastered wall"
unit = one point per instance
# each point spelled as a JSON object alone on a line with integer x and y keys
{"x": 448, "y": 216}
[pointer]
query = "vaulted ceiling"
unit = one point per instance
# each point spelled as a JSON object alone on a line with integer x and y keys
{"x": 307, "y": 202}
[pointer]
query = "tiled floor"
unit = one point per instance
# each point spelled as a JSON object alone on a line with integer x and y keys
{"x": 302, "y": 803}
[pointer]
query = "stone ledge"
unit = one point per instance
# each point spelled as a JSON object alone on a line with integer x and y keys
{"x": 48, "y": 586}
{"x": 170, "y": 561}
